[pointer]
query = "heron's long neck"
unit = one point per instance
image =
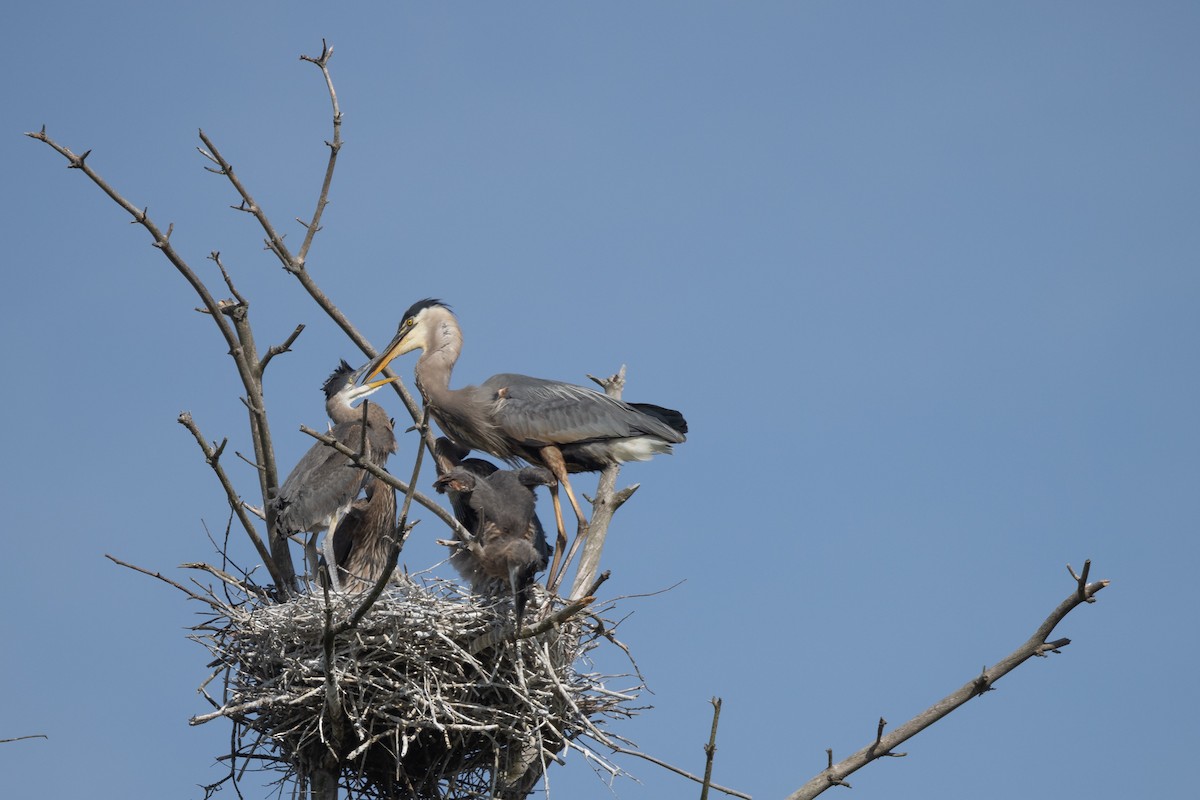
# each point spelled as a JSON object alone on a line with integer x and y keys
{"x": 437, "y": 361}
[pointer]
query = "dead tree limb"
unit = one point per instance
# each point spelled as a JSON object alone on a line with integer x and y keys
{"x": 212, "y": 456}
{"x": 221, "y": 312}
{"x": 604, "y": 506}
{"x": 296, "y": 263}
{"x": 883, "y": 745}
{"x": 710, "y": 749}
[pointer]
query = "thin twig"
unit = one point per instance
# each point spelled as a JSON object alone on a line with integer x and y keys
{"x": 212, "y": 456}
{"x": 678, "y": 771}
{"x": 564, "y": 613}
{"x": 164, "y": 579}
{"x": 710, "y": 749}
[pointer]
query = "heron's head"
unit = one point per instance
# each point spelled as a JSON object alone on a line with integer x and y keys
{"x": 415, "y": 332}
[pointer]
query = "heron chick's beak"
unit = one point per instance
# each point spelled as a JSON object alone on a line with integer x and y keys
{"x": 370, "y": 388}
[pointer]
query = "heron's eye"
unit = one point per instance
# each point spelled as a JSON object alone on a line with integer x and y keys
{"x": 408, "y": 323}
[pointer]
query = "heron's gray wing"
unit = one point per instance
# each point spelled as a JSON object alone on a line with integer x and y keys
{"x": 347, "y": 531}
{"x": 322, "y": 481}
{"x": 538, "y": 412}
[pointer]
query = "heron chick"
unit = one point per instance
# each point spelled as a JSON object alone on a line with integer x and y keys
{"x": 321, "y": 489}
{"x": 497, "y": 508}
{"x": 559, "y": 426}
{"x": 362, "y": 542}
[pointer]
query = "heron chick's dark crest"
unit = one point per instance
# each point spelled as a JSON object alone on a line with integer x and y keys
{"x": 321, "y": 488}
{"x": 560, "y": 426}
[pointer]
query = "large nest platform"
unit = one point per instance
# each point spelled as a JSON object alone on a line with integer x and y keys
{"x": 426, "y": 696}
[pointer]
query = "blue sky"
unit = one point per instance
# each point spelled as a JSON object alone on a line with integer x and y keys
{"x": 923, "y": 277}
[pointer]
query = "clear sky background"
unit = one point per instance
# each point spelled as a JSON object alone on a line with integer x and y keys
{"x": 922, "y": 276}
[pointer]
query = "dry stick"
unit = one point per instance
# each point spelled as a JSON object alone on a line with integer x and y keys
{"x": 164, "y": 579}
{"x": 678, "y": 771}
{"x": 162, "y": 241}
{"x": 1036, "y": 645}
{"x": 225, "y": 577}
{"x": 566, "y": 612}
{"x": 23, "y": 738}
{"x": 212, "y": 457}
{"x": 710, "y": 749}
{"x": 572, "y": 608}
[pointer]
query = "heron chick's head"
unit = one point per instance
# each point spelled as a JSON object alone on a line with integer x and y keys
{"x": 416, "y": 328}
{"x": 343, "y": 384}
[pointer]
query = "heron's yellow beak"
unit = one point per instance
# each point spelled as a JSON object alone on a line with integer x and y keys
{"x": 399, "y": 345}
{"x": 373, "y": 385}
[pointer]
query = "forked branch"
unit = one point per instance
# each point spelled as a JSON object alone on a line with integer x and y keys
{"x": 604, "y": 505}
{"x": 244, "y": 357}
{"x": 295, "y": 263}
{"x": 884, "y": 744}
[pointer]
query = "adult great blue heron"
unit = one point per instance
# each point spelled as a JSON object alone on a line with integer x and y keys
{"x": 497, "y": 507}
{"x": 560, "y": 426}
{"x": 321, "y": 488}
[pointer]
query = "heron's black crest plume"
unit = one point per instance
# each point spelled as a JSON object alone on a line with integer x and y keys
{"x": 337, "y": 379}
{"x": 420, "y": 305}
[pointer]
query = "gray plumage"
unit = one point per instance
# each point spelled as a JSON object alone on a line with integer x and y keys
{"x": 362, "y": 542}
{"x": 497, "y": 507}
{"x": 560, "y": 426}
{"x": 323, "y": 485}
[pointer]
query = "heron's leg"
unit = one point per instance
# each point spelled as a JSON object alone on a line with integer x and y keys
{"x": 560, "y": 544}
{"x": 310, "y": 559}
{"x": 555, "y": 463}
{"x": 331, "y": 565}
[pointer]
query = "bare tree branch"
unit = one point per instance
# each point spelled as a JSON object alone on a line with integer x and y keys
{"x": 162, "y": 578}
{"x": 710, "y": 749}
{"x": 1036, "y": 645}
{"x": 678, "y": 771}
{"x": 335, "y": 147}
{"x": 247, "y": 371}
{"x": 295, "y": 264}
{"x": 604, "y": 506}
{"x": 212, "y": 457}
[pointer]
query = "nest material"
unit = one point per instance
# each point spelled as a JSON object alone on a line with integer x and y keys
{"x": 427, "y": 697}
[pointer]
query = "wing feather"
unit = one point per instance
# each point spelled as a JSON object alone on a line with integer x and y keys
{"x": 538, "y": 412}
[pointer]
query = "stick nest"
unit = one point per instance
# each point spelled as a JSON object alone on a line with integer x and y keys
{"x": 427, "y": 696}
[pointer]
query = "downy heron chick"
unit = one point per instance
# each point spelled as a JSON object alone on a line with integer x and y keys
{"x": 321, "y": 488}
{"x": 560, "y": 426}
{"x": 362, "y": 542}
{"x": 497, "y": 508}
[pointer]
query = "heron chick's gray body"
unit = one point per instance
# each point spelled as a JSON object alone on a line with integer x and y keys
{"x": 560, "y": 426}
{"x": 322, "y": 487}
{"x": 497, "y": 507}
{"x": 362, "y": 542}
